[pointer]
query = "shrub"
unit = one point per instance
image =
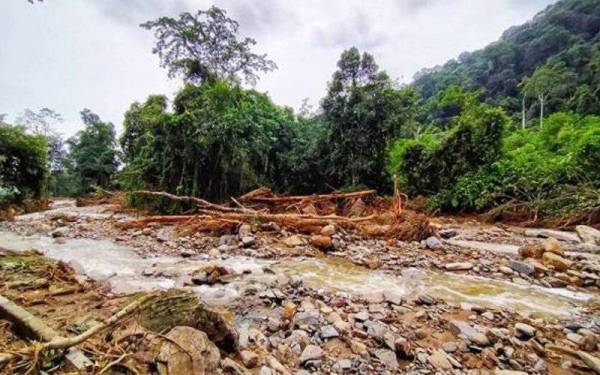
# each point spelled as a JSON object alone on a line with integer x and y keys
{"x": 23, "y": 168}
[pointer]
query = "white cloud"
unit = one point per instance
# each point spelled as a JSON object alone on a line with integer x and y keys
{"x": 71, "y": 54}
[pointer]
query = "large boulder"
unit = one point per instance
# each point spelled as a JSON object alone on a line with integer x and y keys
{"x": 588, "y": 234}
{"x": 559, "y": 263}
{"x": 175, "y": 307}
{"x": 187, "y": 351}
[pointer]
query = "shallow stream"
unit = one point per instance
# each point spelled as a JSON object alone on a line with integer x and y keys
{"x": 123, "y": 269}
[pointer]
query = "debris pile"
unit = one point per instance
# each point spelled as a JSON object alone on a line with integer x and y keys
{"x": 362, "y": 212}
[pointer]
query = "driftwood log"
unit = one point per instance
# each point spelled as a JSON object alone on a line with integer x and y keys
{"x": 199, "y": 202}
{"x": 34, "y": 325}
{"x": 30, "y": 326}
{"x": 259, "y": 196}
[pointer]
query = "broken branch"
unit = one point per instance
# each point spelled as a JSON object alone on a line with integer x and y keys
{"x": 56, "y": 341}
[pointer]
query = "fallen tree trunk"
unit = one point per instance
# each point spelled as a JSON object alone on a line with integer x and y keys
{"x": 34, "y": 327}
{"x": 25, "y": 322}
{"x": 54, "y": 340}
{"x": 197, "y": 201}
{"x": 318, "y": 219}
{"x": 290, "y": 198}
{"x": 136, "y": 223}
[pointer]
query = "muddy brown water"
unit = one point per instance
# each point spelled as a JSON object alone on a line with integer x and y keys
{"x": 123, "y": 268}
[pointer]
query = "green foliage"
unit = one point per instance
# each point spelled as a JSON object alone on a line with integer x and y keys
{"x": 301, "y": 156}
{"x": 397, "y": 152}
{"x": 219, "y": 142}
{"x": 23, "y": 169}
{"x": 42, "y": 123}
{"x": 93, "y": 156}
{"x": 533, "y": 172}
{"x": 426, "y": 167}
{"x": 363, "y": 113}
{"x": 565, "y": 34}
{"x": 204, "y": 47}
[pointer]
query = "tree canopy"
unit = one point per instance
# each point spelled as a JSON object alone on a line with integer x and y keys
{"x": 206, "y": 47}
{"x": 363, "y": 112}
{"x": 565, "y": 32}
{"x": 23, "y": 168}
{"x": 93, "y": 155}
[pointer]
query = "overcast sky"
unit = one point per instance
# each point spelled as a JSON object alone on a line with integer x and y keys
{"x": 74, "y": 54}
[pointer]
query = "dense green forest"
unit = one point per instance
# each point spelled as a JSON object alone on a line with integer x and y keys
{"x": 562, "y": 40}
{"x": 512, "y": 129}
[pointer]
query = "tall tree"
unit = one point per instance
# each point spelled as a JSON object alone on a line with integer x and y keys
{"x": 93, "y": 152}
{"x": 546, "y": 81}
{"x": 360, "y": 109}
{"x": 205, "y": 47}
{"x": 43, "y": 123}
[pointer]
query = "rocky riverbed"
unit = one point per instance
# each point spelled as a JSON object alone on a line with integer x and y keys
{"x": 478, "y": 298}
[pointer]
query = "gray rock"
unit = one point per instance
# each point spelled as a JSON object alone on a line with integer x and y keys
{"x": 328, "y": 332}
{"x": 60, "y": 232}
{"x": 376, "y": 330}
{"x": 387, "y": 358}
{"x": 199, "y": 355}
{"x": 425, "y": 299}
{"x": 310, "y": 317}
{"x": 392, "y": 297}
{"x": 248, "y": 241}
{"x": 361, "y": 316}
{"x": 226, "y": 239}
{"x": 439, "y": 360}
{"x": 540, "y": 367}
{"x": 550, "y": 233}
{"x": 524, "y": 331}
{"x": 521, "y": 267}
{"x": 450, "y": 347}
{"x": 147, "y": 272}
{"x": 588, "y": 234}
{"x": 311, "y": 353}
{"x": 433, "y": 243}
{"x": 343, "y": 365}
{"x": 485, "y": 246}
{"x": 460, "y": 328}
{"x": 488, "y": 315}
{"x": 249, "y": 358}
{"x": 460, "y": 266}
{"x": 298, "y": 338}
{"x": 447, "y": 233}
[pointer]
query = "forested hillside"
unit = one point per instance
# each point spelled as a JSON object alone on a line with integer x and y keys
{"x": 512, "y": 129}
{"x": 563, "y": 37}
{"x": 538, "y": 160}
